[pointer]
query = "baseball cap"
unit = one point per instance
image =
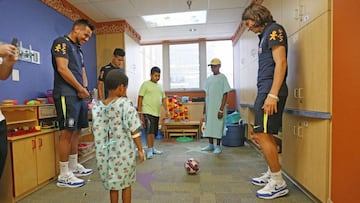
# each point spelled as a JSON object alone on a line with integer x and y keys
{"x": 214, "y": 62}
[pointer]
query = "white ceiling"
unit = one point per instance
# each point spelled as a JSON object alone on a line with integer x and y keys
{"x": 223, "y": 16}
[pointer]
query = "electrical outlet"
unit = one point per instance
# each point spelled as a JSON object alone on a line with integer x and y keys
{"x": 24, "y": 54}
{"x": 15, "y": 75}
{"x": 35, "y": 57}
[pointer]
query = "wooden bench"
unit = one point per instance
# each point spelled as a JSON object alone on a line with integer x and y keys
{"x": 181, "y": 128}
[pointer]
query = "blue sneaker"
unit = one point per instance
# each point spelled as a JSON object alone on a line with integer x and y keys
{"x": 272, "y": 190}
{"x": 210, "y": 147}
{"x": 217, "y": 149}
{"x": 150, "y": 153}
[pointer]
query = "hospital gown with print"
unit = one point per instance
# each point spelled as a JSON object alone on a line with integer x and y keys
{"x": 114, "y": 146}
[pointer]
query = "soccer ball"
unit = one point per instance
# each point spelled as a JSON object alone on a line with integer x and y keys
{"x": 191, "y": 166}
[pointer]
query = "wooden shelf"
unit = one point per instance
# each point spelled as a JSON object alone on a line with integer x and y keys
{"x": 86, "y": 157}
{"x": 21, "y": 121}
{"x": 85, "y": 132}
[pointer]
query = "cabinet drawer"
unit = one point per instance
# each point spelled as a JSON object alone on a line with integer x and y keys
{"x": 47, "y": 111}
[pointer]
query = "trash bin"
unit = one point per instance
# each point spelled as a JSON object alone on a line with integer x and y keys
{"x": 235, "y": 135}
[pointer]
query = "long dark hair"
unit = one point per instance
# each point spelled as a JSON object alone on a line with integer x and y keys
{"x": 258, "y": 13}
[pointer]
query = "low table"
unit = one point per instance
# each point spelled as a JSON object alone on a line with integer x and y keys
{"x": 181, "y": 128}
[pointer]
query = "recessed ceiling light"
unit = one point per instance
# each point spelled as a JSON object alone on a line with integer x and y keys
{"x": 173, "y": 19}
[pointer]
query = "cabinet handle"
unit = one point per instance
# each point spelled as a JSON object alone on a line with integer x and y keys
{"x": 300, "y": 132}
{"x": 301, "y": 12}
{"x": 33, "y": 144}
{"x": 295, "y": 93}
{"x": 295, "y": 130}
{"x": 40, "y": 143}
{"x": 299, "y": 93}
{"x": 296, "y": 14}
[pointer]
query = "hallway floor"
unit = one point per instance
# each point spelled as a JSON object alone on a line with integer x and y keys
{"x": 222, "y": 178}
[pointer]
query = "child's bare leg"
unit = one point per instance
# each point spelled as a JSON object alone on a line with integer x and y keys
{"x": 114, "y": 196}
{"x": 126, "y": 195}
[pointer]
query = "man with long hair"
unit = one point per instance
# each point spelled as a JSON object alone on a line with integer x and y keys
{"x": 271, "y": 95}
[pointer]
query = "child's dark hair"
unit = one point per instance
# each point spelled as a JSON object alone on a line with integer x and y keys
{"x": 115, "y": 78}
{"x": 155, "y": 69}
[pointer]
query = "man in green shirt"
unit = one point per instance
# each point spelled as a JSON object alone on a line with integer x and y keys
{"x": 151, "y": 97}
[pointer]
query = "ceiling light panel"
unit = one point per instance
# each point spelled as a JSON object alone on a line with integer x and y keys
{"x": 176, "y": 19}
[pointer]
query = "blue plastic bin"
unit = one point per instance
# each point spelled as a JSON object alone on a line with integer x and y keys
{"x": 235, "y": 135}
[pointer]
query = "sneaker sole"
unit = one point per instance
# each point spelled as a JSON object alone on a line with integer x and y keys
{"x": 276, "y": 195}
{"x": 207, "y": 150}
{"x": 70, "y": 186}
{"x": 258, "y": 183}
{"x": 159, "y": 153}
{"x": 82, "y": 174}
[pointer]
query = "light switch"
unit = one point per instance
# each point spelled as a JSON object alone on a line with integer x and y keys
{"x": 15, "y": 75}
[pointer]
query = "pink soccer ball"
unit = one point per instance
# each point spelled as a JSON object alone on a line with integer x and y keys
{"x": 191, "y": 166}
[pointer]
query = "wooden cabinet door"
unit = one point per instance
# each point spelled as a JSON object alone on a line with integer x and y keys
{"x": 315, "y": 50}
{"x": 275, "y": 8}
{"x": 291, "y": 16}
{"x": 24, "y": 165}
{"x": 309, "y": 70}
{"x": 305, "y": 155}
{"x": 312, "y": 9}
{"x": 295, "y": 71}
{"x": 45, "y": 157}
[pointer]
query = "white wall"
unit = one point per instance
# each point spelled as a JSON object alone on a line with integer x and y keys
{"x": 133, "y": 68}
{"x": 246, "y": 65}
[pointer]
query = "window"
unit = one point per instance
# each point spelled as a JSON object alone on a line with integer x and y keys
{"x": 152, "y": 56}
{"x": 181, "y": 65}
{"x": 224, "y": 51}
{"x": 184, "y": 66}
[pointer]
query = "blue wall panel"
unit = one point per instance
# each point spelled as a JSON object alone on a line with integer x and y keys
{"x": 36, "y": 24}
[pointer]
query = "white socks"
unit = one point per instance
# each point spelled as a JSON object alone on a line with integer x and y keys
{"x": 277, "y": 177}
{"x": 70, "y": 165}
{"x": 73, "y": 161}
{"x": 64, "y": 168}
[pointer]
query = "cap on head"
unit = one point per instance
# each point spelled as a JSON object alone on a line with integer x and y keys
{"x": 215, "y": 62}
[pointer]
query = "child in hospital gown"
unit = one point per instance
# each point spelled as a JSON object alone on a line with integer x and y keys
{"x": 115, "y": 128}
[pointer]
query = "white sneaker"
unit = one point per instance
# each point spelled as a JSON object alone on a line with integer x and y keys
{"x": 82, "y": 171}
{"x": 69, "y": 180}
{"x": 272, "y": 190}
{"x": 262, "y": 180}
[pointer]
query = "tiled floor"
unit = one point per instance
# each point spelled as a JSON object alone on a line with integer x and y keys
{"x": 222, "y": 178}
